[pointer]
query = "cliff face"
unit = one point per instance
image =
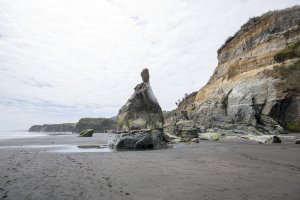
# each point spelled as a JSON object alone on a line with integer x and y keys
{"x": 67, "y": 127}
{"x": 256, "y": 85}
{"x": 99, "y": 125}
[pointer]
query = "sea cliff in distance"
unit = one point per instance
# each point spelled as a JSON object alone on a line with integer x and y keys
{"x": 66, "y": 127}
{"x": 99, "y": 125}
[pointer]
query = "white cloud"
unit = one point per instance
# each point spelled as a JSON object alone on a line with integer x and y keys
{"x": 61, "y": 60}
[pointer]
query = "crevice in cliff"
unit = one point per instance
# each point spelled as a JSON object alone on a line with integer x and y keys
{"x": 224, "y": 102}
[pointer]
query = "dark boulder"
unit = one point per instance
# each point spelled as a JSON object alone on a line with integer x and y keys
{"x": 273, "y": 139}
{"x": 86, "y": 133}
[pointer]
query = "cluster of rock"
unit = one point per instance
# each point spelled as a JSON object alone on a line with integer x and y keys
{"x": 255, "y": 87}
{"x": 140, "y": 121}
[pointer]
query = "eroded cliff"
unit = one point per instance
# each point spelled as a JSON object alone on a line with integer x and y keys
{"x": 256, "y": 86}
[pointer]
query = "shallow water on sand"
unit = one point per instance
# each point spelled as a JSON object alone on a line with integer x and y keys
{"x": 64, "y": 148}
{"x": 84, "y": 148}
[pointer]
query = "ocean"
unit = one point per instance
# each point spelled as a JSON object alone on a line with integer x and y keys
{"x": 19, "y": 134}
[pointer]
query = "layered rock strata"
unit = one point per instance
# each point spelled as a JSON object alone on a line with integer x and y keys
{"x": 255, "y": 87}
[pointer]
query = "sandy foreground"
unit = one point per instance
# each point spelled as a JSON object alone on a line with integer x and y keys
{"x": 49, "y": 168}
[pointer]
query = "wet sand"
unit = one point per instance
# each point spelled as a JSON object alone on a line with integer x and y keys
{"x": 31, "y": 169}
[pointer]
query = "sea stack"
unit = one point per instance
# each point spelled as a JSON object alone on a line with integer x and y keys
{"x": 140, "y": 121}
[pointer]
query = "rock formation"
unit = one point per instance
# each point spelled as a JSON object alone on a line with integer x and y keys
{"x": 142, "y": 110}
{"x": 141, "y": 119}
{"x": 99, "y": 125}
{"x": 67, "y": 127}
{"x": 255, "y": 87}
{"x": 86, "y": 133}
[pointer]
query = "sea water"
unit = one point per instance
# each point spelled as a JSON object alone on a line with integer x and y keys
{"x": 19, "y": 134}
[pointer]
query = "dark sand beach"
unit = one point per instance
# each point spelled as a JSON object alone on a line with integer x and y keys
{"x": 31, "y": 168}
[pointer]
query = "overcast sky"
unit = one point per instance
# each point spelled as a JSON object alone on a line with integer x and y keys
{"x": 61, "y": 60}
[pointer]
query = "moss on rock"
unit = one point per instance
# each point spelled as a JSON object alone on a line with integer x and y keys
{"x": 294, "y": 126}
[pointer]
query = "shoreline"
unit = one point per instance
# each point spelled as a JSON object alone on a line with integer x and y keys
{"x": 225, "y": 169}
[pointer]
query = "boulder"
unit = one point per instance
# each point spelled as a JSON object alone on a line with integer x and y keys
{"x": 273, "y": 139}
{"x": 140, "y": 121}
{"x": 209, "y": 136}
{"x": 172, "y": 138}
{"x": 86, "y": 133}
{"x": 186, "y": 129}
{"x": 262, "y": 139}
{"x": 140, "y": 140}
{"x": 194, "y": 140}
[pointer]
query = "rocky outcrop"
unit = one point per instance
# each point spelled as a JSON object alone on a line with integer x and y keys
{"x": 86, "y": 133}
{"x": 99, "y": 125}
{"x": 67, "y": 127}
{"x": 140, "y": 120}
{"x": 255, "y": 87}
{"x": 142, "y": 110}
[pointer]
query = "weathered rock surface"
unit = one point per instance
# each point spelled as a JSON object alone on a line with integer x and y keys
{"x": 172, "y": 138}
{"x": 86, "y": 133}
{"x": 262, "y": 139}
{"x": 66, "y": 127}
{"x": 255, "y": 87}
{"x": 273, "y": 139}
{"x": 142, "y": 110}
{"x": 142, "y": 118}
{"x": 99, "y": 125}
{"x": 151, "y": 139}
{"x": 210, "y": 136}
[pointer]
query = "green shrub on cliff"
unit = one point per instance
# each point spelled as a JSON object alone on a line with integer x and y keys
{"x": 295, "y": 65}
{"x": 99, "y": 125}
{"x": 293, "y": 126}
{"x": 289, "y": 52}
